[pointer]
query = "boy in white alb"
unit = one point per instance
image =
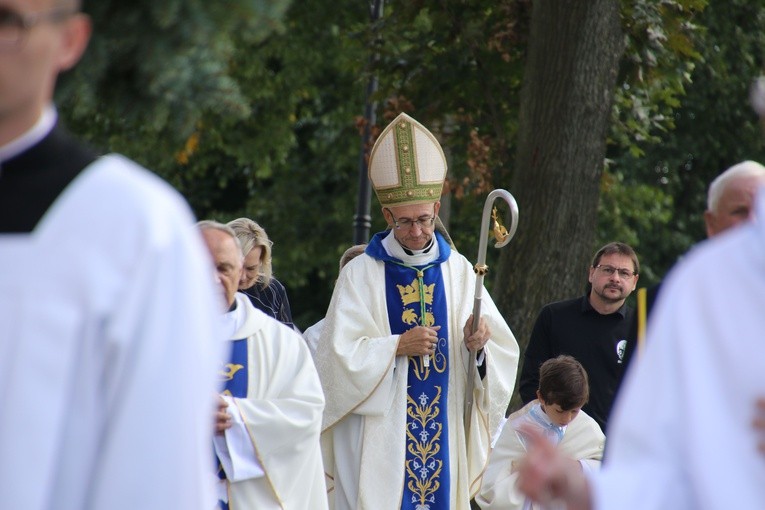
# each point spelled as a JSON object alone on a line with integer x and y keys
{"x": 556, "y": 413}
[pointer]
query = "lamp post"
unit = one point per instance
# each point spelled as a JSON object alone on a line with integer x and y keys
{"x": 362, "y": 220}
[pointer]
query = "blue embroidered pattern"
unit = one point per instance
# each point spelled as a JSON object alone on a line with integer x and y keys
{"x": 234, "y": 377}
{"x": 415, "y": 296}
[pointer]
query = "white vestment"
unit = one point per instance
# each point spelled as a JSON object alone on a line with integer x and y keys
{"x": 682, "y": 434}
{"x": 312, "y": 334}
{"x": 583, "y": 440}
{"x": 107, "y": 368}
{"x": 365, "y": 384}
{"x": 281, "y": 415}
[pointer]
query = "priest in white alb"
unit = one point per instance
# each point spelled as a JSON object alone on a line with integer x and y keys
{"x": 269, "y": 419}
{"x": 107, "y": 372}
{"x": 395, "y": 349}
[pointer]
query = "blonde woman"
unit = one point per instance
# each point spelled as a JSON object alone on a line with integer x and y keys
{"x": 257, "y": 282}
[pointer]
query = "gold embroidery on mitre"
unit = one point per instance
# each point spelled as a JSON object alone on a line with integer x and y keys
{"x": 397, "y": 176}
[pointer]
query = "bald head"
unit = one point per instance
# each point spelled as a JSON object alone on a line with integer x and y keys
{"x": 730, "y": 200}
{"x": 227, "y": 256}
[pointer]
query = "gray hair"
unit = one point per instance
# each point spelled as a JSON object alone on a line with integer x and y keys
{"x": 745, "y": 169}
{"x": 215, "y": 225}
{"x": 251, "y": 235}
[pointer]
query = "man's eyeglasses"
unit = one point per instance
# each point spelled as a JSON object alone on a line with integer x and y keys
{"x": 610, "y": 270}
{"x": 408, "y": 223}
{"x": 15, "y": 25}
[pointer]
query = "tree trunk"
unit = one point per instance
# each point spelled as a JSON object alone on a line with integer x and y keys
{"x": 569, "y": 80}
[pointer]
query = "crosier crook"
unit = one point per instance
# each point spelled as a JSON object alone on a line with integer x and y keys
{"x": 502, "y": 236}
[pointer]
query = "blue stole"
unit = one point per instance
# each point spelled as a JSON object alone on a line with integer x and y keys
{"x": 415, "y": 296}
{"x": 234, "y": 377}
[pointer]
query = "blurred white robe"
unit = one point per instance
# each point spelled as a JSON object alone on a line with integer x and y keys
{"x": 107, "y": 359}
{"x": 312, "y": 334}
{"x": 682, "y": 434}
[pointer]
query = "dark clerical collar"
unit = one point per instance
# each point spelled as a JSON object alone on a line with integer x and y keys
{"x": 33, "y": 180}
{"x": 418, "y": 252}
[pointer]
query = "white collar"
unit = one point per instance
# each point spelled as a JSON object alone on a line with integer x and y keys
{"x": 233, "y": 321}
{"x": 553, "y": 430}
{"x": 40, "y": 130}
{"x": 394, "y": 249}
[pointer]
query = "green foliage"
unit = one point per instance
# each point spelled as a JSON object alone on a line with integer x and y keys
{"x": 714, "y": 128}
{"x": 457, "y": 67}
{"x": 153, "y": 69}
{"x": 246, "y": 108}
{"x": 633, "y": 213}
{"x": 659, "y": 58}
{"x": 292, "y": 165}
{"x": 252, "y": 107}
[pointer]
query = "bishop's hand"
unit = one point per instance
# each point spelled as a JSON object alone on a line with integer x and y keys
{"x": 475, "y": 342}
{"x": 418, "y": 341}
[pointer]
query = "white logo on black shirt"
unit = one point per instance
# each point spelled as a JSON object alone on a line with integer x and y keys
{"x": 621, "y": 346}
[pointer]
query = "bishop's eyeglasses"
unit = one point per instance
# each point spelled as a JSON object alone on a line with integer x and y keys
{"x": 407, "y": 223}
{"x": 15, "y": 25}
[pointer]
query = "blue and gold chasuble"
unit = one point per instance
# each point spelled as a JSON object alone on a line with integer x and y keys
{"x": 415, "y": 296}
{"x": 234, "y": 378}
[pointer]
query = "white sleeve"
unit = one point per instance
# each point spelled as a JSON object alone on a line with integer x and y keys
{"x": 161, "y": 380}
{"x": 127, "y": 417}
{"x": 645, "y": 456}
{"x": 381, "y": 399}
{"x": 311, "y": 336}
{"x": 235, "y": 449}
{"x": 589, "y": 465}
{"x": 498, "y": 485}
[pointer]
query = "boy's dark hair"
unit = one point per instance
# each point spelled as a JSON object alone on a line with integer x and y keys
{"x": 563, "y": 381}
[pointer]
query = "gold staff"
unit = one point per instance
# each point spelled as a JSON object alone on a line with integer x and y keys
{"x": 502, "y": 237}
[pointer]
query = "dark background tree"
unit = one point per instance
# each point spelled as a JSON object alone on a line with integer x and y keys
{"x": 153, "y": 69}
{"x": 571, "y": 70}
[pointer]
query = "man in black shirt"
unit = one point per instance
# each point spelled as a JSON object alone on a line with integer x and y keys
{"x": 593, "y": 329}
{"x": 730, "y": 203}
